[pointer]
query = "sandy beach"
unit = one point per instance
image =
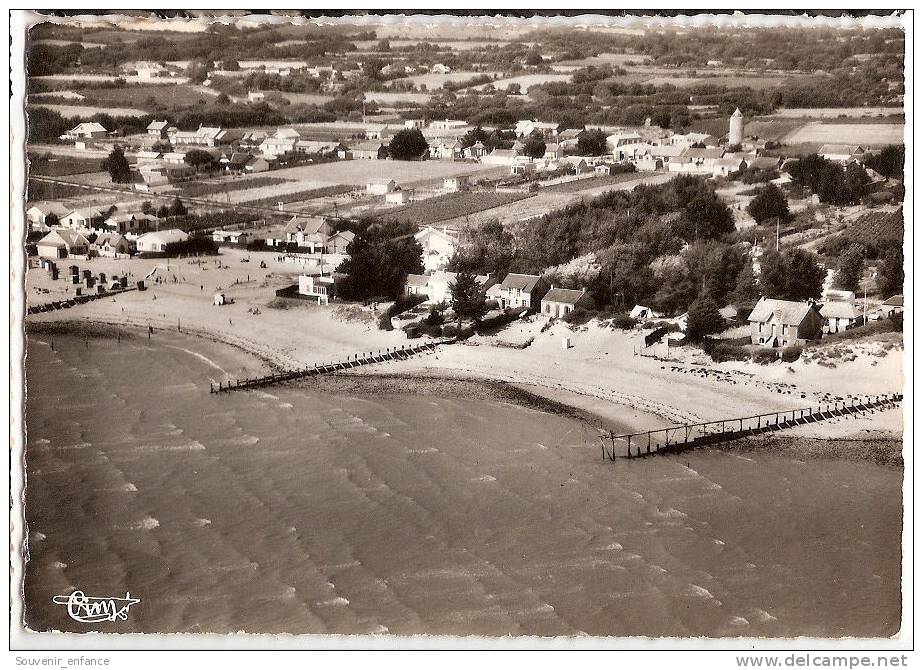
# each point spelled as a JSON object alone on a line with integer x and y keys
{"x": 599, "y": 374}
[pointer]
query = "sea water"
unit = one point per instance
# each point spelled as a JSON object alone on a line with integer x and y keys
{"x": 290, "y": 510}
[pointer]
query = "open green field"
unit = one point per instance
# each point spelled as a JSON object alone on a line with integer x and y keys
{"x": 587, "y": 183}
{"x": 180, "y": 95}
{"x": 450, "y": 206}
{"x": 526, "y": 81}
{"x": 194, "y": 190}
{"x": 48, "y": 166}
{"x": 405, "y": 173}
{"x": 83, "y": 111}
{"x": 848, "y": 133}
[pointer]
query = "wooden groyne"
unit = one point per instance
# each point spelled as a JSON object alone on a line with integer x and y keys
{"x": 357, "y": 360}
{"x": 73, "y": 302}
{"x": 682, "y": 437}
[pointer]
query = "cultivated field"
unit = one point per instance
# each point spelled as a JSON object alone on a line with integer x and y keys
{"x": 131, "y": 79}
{"x": 607, "y": 59}
{"x": 57, "y": 167}
{"x": 302, "y": 98}
{"x": 389, "y": 98}
{"x": 198, "y": 189}
{"x": 74, "y": 111}
{"x": 359, "y": 172}
{"x": 433, "y": 81}
{"x": 754, "y": 82}
{"x": 834, "y": 112}
{"x": 848, "y": 133}
{"x": 139, "y": 96}
{"x": 450, "y": 206}
{"x": 526, "y": 81}
{"x": 454, "y": 45}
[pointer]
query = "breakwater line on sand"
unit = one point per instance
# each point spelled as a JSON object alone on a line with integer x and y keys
{"x": 353, "y": 361}
{"x": 692, "y": 435}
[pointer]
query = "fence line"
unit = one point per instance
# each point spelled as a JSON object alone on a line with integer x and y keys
{"x": 691, "y": 435}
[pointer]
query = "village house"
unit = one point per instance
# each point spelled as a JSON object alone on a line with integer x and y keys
{"x": 526, "y": 127}
{"x": 62, "y": 243}
{"x": 642, "y": 312}
{"x": 559, "y": 302}
{"x": 459, "y": 182}
{"x": 438, "y": 247}
{"x": 88, "y": 130}
{"x": 156, "y": 242}
{"x": 437, "y": 286}
{"x": 439, "y": 68}
{"x": 891, "y": 306}
{"x": 624, "y": 145}
{"x": 520, "y": 290}
{"x": 689, "y": 139}
{"x": 696, "y": 161}
{"x": 111, "y": 245}
{"x": 503, "y": 157}
{"x": 380, "y": 186}
{"x": 84, "y": 218}
{"x": 309, "y": 232}
{"x": 373, "y": 150}
{"x": 476, "y": 150}
{"x": 283, "y": 141}
{"x": 321, "y": 287}
{"x": 841, "y": 153}
{"x": 256, "y": 164}
{"x": 553, "y": 151}
{"x": 147, "y": 157}
{"x": 205, "y": 136}
{"x": 398, "y": 196}
{"x": 255, "y": 96}
{"x": 157, "y": 129}
{"x": 725, "y": 166}
{"x": 38, "y": 213}
{"x": 522, "y": 165}
{"x": 339, "y": 241}
{"x": 174, "y": 158}
{"x": 239, "y": 237}
{"x": 838, "y": 315}
{"x": 570, "y": 137}
{"x": 784, "y": 323}
{"x": 129, "y": 223}
{"x": 237, "y": 161}
{"x": 448, "y": 124}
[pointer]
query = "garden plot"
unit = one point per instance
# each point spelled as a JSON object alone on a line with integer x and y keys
{"x": 77, "y": 111}
{"x": 525, "y": 81}
{"x": 836, "y": 112}
{"x": 434, "y": 81}
{"x": 848, "y": 133}
{"x": 405, "y": 173}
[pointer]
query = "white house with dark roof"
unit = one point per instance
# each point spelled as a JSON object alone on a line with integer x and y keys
{"x": 37, "y": 213}
{"x": 559, "y": 302}
{"x": 61, "y": 243}
{"x": 380, "y": 186}
{"x": 841, "y": 153}
{"x": 157, "y": 242}
{"x": 838, "y": 315}
{"x": 437, "y": 286}
{"x": 310, "y": 232}
{"x": 783, "y": 323}
{"x": 439, "y": 246}
{"x": 521, "y": 290}
{"x": 158, "y": 129}
{"x": 111, "y": 245}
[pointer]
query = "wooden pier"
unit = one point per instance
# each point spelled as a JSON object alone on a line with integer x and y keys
{"x": 683, "y": 437}
{"x": 357, "y": 360}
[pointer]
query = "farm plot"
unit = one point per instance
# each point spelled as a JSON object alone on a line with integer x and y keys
{"x": 131, "y": 79}
{"x": 48, "y": 166}
{"x": 405, "y": 173}
{"x": 853, "y": 133}
{"x": 75, "y": 111}
{"x": 433, "y": 81}
{"x": 525, "y": 81}
{"x": 388, "y": 98}
{"x": 139, "y": 96}
{"x": 287, "y": 197}
{"x": 451, "y": 205}
{"x": 578, "y": 185}
{"x": 836, "y": 112}
{"x": 195, "y": 190}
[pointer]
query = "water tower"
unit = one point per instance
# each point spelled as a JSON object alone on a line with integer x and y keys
{"x": 736, "y": 129}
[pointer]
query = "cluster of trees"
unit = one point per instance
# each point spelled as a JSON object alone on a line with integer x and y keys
{"x": 831, "y": 182}
{"x": 769, "y": 204}
{"x": 408, "y": 145}
{"x": 381, "y": 256}
{"x": 889, "y": 162}
{"x": 496, "y": 139}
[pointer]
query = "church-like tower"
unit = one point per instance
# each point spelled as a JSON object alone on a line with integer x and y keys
{"x": 736, "y": 129}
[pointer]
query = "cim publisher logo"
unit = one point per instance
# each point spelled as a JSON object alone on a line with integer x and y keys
{"x": 89, "y": 609}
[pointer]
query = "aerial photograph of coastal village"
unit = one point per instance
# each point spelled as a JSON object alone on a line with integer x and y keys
{"x": 479, "y": 326}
